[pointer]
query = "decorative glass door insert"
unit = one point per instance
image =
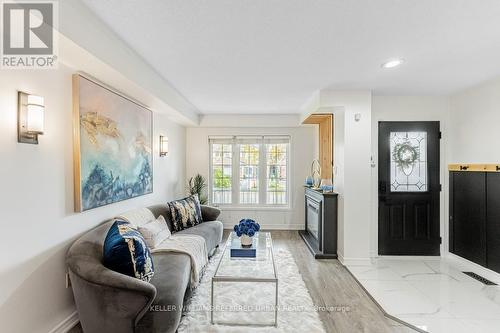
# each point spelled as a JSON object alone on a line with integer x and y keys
{"x": 408, "y": 161}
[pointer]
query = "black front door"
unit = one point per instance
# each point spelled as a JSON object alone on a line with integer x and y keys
{"x": 409, "y": 187}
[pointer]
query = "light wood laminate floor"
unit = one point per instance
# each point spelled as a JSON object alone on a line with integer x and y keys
{"x": 331, "y": 285}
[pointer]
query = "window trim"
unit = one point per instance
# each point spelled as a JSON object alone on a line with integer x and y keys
{"x": 235, "y": 191}
{"x": 210, "y": 176}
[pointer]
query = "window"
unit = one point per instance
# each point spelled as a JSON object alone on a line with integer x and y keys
{"x": 251, "y": 170}
{"x": 276, "y": 165}
{"x": 408, "y": 161}
{"x": 249, "y": 173}
{"x": 221, "y": 173}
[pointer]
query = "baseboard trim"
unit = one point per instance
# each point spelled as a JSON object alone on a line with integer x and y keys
{"x": 340, "y": 257}
{"x": 408, "y": 257}
{"x": 66, "y": 324}
{"x": 272, "y": 226}
{"x": 354, "y": 261}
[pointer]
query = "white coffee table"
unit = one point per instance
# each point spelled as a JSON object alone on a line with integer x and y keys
{"x": 260, "y": 269}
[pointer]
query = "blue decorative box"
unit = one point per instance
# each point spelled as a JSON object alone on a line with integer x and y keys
{"x": 239, "y": 251}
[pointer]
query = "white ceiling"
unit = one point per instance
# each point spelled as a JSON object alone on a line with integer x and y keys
{"x": 269, "y": 56}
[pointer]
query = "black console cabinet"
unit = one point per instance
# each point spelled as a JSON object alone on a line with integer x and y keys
{"x": 475, "y": 217}
{"x": 320, "y": 234}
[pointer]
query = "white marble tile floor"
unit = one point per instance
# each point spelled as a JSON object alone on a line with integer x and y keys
{"x": 433, "y": 294}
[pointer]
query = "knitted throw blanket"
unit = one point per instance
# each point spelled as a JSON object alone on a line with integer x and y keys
{"x": 192, "y": 245}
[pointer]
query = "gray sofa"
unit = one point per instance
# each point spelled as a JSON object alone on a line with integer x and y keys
{"x": 108, "y": 301}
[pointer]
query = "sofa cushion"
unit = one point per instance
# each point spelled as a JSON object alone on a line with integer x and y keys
{"x": 211, "y": 231}
{"x": 155, "y": 232}
{"x": 185, "y": 213}
{"x": 125, "y": 251}
{"x": 209, "y": 213}
{"x": 171, "y": 279}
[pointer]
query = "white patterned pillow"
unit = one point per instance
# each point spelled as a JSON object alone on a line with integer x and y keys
{"x": 137, "y": 217}
{"x": 155, "y": 232}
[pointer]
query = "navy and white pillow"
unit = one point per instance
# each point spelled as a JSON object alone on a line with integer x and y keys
{"x": 185, "y": 213}
{"x": 126, "y": 252}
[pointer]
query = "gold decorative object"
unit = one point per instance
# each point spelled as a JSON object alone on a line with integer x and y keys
{"x": 316, "y": 173}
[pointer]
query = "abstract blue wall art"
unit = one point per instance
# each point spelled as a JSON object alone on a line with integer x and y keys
{"x": 113, "y": 158}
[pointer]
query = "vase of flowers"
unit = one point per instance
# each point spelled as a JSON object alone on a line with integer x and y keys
{"x": 246, "y": 229}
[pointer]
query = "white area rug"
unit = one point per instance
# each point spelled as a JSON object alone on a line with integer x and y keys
{"x": 296, "y": 310}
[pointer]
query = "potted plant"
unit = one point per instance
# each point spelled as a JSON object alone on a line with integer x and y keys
{"x": 198, "y": 185}
{"x": 246, "y": 229}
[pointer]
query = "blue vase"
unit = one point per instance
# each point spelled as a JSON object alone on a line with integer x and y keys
{"x": 309, "y": 181}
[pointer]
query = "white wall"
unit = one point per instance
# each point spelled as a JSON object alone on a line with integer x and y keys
{"x": 356, "y": 172}
{"x": 475, "y": 124}
{"x": 410, "y": 108}
{"x": 352, "y": 178}
{"x": 338, "y": 170}
{"x": 36, "y": 200}
{"x": 301, "y": 156}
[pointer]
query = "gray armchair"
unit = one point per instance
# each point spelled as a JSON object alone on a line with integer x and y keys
{"x": 108, "y": 301}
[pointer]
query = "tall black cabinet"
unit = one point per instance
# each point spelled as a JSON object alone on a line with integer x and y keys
{"x": 493, "y": 221}
{"x": 475, "y": 217}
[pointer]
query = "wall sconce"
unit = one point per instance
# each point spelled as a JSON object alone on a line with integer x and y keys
{"x": 30, "y": 114}
{"x": 163, "y": 146}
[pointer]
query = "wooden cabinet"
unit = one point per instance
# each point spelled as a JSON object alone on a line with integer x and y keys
{"x": 475, "y": 217}
{"x": 320, "y": 234}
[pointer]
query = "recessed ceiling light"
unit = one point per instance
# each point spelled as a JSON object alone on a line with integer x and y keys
{"x": 392, "y": 63}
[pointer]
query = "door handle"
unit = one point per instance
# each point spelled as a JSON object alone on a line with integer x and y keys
{"x": 385, "y": 199}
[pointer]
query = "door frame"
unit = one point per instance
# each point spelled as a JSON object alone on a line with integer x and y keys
{"x": 443, "y": 202}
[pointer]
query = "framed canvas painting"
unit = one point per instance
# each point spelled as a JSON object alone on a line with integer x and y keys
{"x": 113, "y": 135}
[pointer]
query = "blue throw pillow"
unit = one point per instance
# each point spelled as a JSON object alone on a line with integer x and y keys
{"x": 126, "y": 252}
{"x": 185, "y": 213}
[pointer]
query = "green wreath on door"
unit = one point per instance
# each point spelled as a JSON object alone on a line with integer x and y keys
{"x": 405, "y": 155}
